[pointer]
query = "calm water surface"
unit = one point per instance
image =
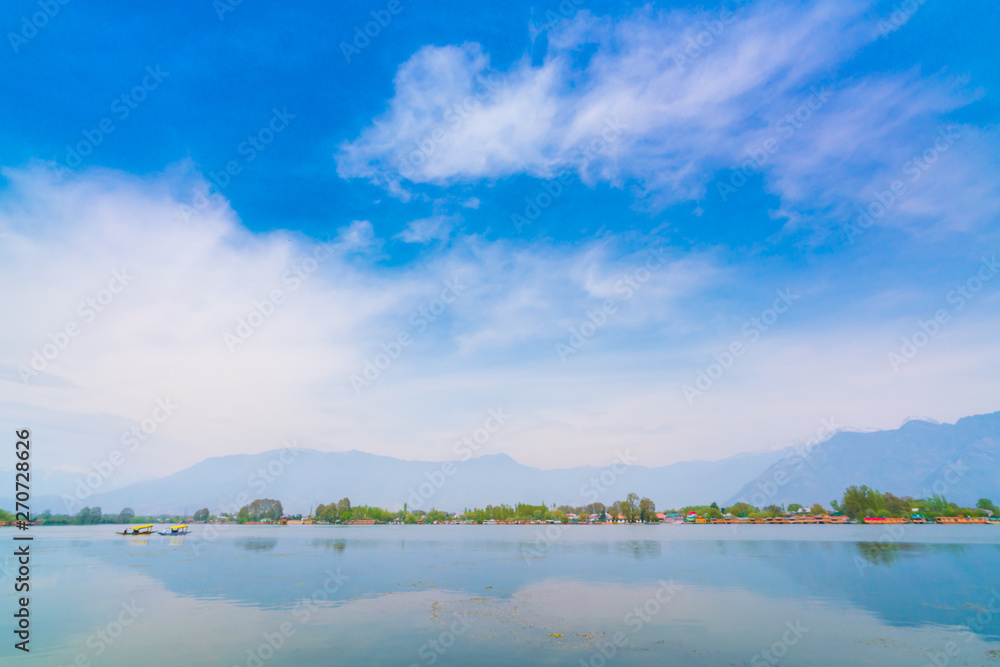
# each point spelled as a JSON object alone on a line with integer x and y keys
{"x": 501, "y": 595}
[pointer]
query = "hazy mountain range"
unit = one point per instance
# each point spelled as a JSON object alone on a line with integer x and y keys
{"x": 303, "y": 478}
{"x": 961, "y": 461}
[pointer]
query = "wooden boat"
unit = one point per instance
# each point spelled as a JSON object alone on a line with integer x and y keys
{"x": 138, "y": 530}
{"x": 181, "y": 529}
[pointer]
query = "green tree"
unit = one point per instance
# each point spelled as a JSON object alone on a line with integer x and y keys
{"x": 126, "y": 515}
{"x": 861, "y": 501}
{"x": 647, "y": 510}
{"x": 794, "y": 507}
{"x": 713, "y": 513}
{"x": 938, "y": 505}
{"x": 743, "y": 510}
{"x": 898, "y": 507}
{"x": 344, "y": 509}
{"x": 260, "y": 510}
{"x": 987, "y": 505}
{"x": 201, "y": 515}
{"x": 817, "y": 509}
{"x": 772, "y": 511}
{"x": 630, "y": 507}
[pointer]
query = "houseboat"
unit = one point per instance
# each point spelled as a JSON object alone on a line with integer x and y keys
{"x": 962, "y": 519}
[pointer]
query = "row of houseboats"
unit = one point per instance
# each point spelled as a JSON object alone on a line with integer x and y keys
{"x": 839, "y": 519}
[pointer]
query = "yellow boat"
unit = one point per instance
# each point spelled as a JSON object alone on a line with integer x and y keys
{"x": 138, "y": 530}
{"x": 181, "y": 529}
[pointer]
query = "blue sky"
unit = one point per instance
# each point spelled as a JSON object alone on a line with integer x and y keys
{"x": 740, "y": 141}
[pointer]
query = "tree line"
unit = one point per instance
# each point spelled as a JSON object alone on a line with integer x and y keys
{"x": 857, "y": 503}
{"x": 631, "y": 510}
{"x": 861, "y": 501}
{"x": 89, "y": 516}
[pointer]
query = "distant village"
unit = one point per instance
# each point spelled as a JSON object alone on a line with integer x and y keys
{"x": 859, "y": 505}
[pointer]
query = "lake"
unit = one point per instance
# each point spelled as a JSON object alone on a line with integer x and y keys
{"x": 501, "y": 595}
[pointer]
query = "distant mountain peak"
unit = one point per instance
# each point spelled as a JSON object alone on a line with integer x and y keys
{"x": 908, "y": 460}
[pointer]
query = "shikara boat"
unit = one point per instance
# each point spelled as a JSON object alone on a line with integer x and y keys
{"x": 138, "y": 530}
{"x": 182, "y": 529}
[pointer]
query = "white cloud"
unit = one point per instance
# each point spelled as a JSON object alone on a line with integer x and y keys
{"x": 434, "y": 228}
{"x": 690, "y": 94}
{"x": 191, "y": 281}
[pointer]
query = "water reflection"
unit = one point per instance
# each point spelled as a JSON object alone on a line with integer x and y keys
{"x": 257, "y": 543}
{"x": 883, "y": 553}
{"x": 575, "y": 591}
{"x": 640, "y": 549}
{"x": 336, "y": 545}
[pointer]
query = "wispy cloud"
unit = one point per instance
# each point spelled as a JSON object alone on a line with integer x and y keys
{"x": 693, "y": 94}
{"x": 237, "y": 326}
{"x": 434, "y": 228}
